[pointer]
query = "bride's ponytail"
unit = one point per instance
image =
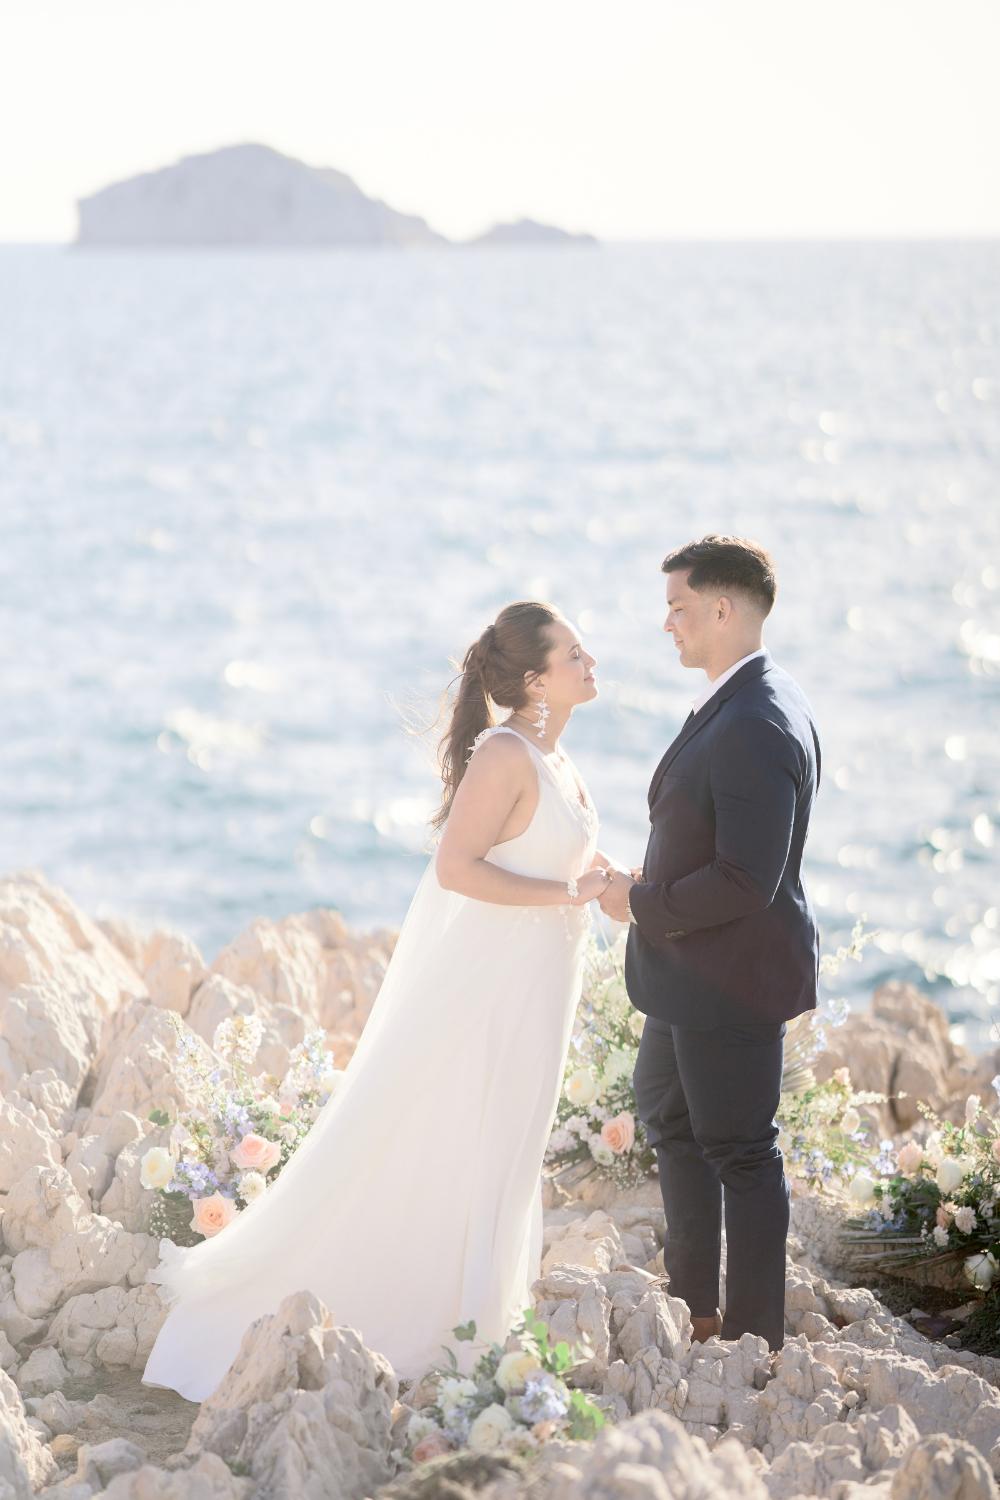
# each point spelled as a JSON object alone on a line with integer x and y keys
{"x": 493, "y": 672}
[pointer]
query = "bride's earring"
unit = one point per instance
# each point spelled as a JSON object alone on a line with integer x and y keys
{"x": 543, "y": 714}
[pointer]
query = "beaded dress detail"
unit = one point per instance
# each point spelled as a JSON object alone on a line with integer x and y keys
{"x": 414, "y": 1203}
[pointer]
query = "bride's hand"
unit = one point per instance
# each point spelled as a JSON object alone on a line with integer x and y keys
{"x": 589, "y": 886}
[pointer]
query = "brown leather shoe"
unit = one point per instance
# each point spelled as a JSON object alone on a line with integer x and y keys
{"x": 704, "y": 1328}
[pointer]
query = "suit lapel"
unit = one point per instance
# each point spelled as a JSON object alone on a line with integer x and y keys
{"x": 696, "y": 722}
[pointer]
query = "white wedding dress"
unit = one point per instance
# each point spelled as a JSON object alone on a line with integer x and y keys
{"x": 414, "y": 1203}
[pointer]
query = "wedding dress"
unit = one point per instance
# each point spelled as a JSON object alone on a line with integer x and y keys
{"x": 414, "y": 1203}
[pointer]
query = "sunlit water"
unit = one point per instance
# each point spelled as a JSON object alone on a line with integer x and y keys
{"x": 253, "y": 502}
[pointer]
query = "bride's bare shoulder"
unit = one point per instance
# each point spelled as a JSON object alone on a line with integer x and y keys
{"x": 497, "y": 747}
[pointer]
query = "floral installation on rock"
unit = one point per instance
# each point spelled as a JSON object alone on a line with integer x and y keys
{"x": 933, "y": 1201}
{"x": 514, "y": 1401}
{"x": 595, "y": 1119}
{"x": 241, "y": 1130}
{"x": 824, "y": 1136}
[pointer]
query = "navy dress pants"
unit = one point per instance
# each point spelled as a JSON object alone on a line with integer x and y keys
{"x": 708, "y": 1100}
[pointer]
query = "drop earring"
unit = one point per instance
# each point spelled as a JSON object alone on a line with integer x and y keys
{"x": 543, "y": 714}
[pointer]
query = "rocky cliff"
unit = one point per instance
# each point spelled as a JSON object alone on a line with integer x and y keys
{"x": 857, "y": 1405}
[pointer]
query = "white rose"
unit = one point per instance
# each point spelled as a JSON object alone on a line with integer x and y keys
{"x": 949, "y": 1174}
{"x": 850, "y": 1121}
{"x": 489, "y": 1427}
{"x": 251, "y": 1185}
{"x": 420, "y": 1426}
{"x": 862, "y": 1190}
{"x": 513, "y": 1369}
{"x": 453, "y": 1390}
{"x": 601, "y": 1151}
{"x": 981, "y": 1269}
{"x": 581, "y": 1087}
{"x": 965, "y": 1219}
{"x": 156, "y": 1168}
{"x": 940, "y": 1236}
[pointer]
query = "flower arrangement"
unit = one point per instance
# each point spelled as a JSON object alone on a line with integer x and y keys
{"x": 934, "y": 1201}
{"x": 596, "y": 1120}
{"x": 223, "y": 1152}
{"x": 824, "y": 1138}
{"x": 513, "y": 1401}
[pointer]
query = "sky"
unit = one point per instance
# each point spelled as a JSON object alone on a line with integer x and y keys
{"x": 641, "y": 120}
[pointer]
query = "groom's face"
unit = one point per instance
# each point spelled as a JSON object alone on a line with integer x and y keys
{"x": 690, "y": 620}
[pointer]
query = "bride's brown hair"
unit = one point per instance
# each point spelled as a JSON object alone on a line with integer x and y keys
{"x": 493, "y": 672}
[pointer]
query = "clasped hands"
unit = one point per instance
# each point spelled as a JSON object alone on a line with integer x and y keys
{"x": 613, "y": 899}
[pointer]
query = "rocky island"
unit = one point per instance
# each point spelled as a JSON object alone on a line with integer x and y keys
{"x": 857, "y": 1405}
{"x": 530, "y": 232}
{"x": 252, "y": 195}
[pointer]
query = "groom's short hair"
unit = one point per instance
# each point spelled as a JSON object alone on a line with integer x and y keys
{"x": 727, "y": 562}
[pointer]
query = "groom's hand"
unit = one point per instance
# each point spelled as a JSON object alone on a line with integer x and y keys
{"x": 614, "y": 901}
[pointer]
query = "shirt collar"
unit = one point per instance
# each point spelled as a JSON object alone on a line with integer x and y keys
{"x": 712, "y": 687}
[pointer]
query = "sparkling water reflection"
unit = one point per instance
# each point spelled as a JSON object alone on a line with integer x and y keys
{"x": 253, "y": 503}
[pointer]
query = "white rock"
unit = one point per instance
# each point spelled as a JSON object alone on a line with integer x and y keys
{"x": 943, "y": 1468}
{"x": 16, "y": 1326}
{"x": 135, "y": 1070}
{"x": 113, "y": 1327}
{"x": 59, "y": 978}
{"x": 593, "y": 1242}
{"x": 650, "y": 1456}
{"x": 25, "y": 1464}
{"x": 172, "y": 968}
{"x": 98, "y": 1463}
{"x": 26, "y": 1137}
{"x": 43, "y": 1371}
{"x": 306, "y": 1408}
{"x": 207, "y": 1479}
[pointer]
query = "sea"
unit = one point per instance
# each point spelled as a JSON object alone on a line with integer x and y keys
{"x": 256, "y": 504}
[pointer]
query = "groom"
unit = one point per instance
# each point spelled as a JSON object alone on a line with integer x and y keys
{"x": 724, "y": 949}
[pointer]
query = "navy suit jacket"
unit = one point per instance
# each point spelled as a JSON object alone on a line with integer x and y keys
{"x": 724, "y": 929}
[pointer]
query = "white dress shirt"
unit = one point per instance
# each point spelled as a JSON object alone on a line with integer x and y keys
{"x": 711, "y": 687}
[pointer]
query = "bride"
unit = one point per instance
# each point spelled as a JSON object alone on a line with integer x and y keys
{"x": 414, "y": 1203}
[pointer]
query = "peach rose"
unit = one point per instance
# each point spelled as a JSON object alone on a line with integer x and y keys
{"x": 619, "y": 1132}
{"x": 942, "y": 1216}
{"x": 430, "y": 1446}
{"x": 995, "y": 1148}
{"x": 256, "y": 1152}
{"x": 544, "y": 1430}
{"x": 908, "y": 1158}
{"x": 212, "y": 1214}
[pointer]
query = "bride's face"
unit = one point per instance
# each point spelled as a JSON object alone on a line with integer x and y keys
{"x": 569, "y": 672}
